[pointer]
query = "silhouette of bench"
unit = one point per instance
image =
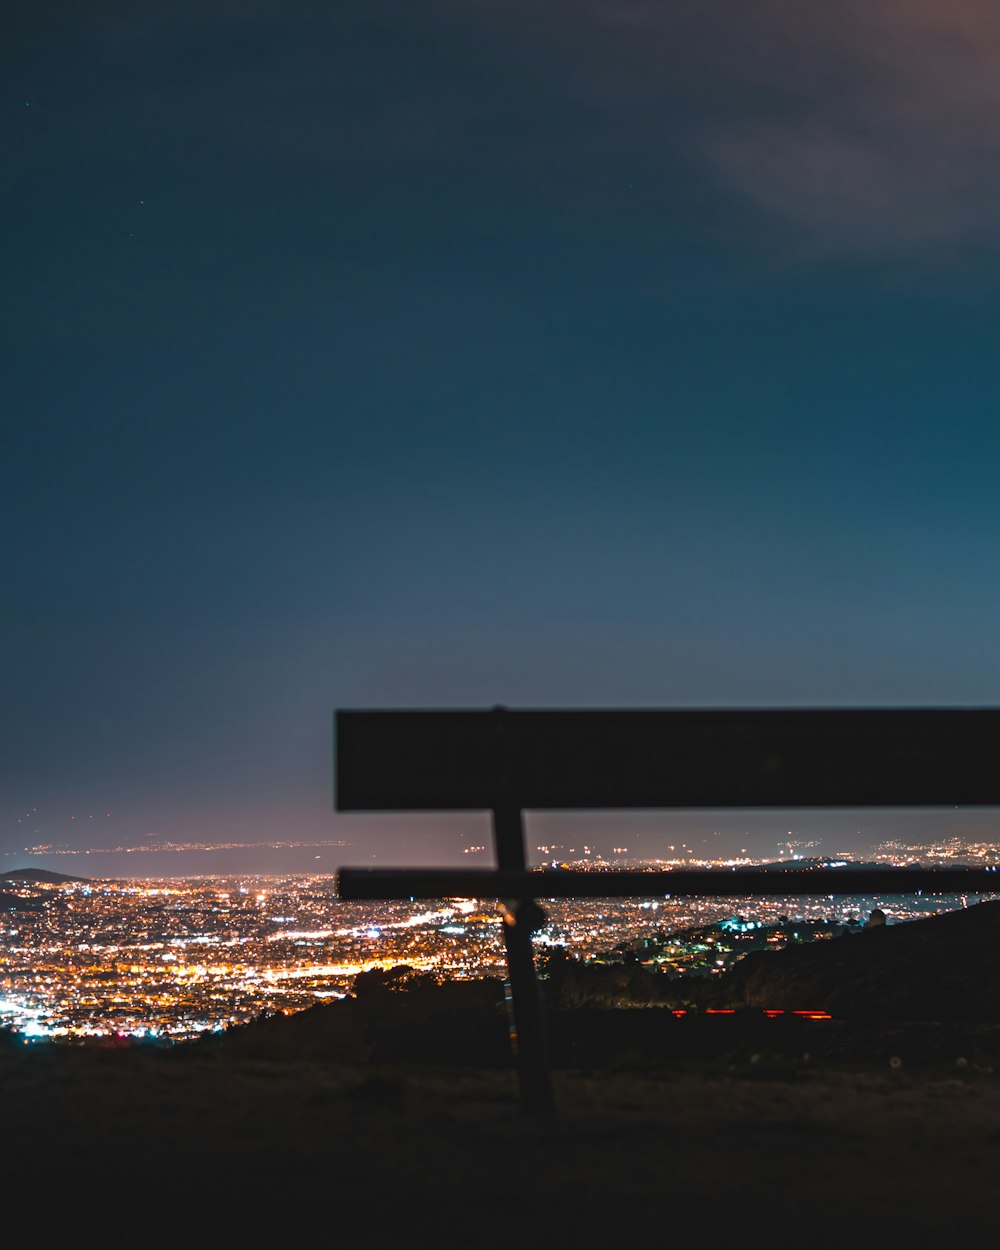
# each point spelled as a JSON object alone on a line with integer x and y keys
{"x": 511, "y": 761}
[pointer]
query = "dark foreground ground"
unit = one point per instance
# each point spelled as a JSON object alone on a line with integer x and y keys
{"x": 813, "y": 1137}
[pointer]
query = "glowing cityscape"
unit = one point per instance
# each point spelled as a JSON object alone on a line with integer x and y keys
{"x": 174, "y": 959}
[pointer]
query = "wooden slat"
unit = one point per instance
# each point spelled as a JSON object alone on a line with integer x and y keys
{"x": 391, "y": 883}
{"x": 678, "y": 758}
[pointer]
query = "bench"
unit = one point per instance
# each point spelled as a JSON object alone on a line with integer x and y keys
{"x": 511, "y": 761}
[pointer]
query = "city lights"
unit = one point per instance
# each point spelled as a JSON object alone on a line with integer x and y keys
{"x": 170, "y": 960}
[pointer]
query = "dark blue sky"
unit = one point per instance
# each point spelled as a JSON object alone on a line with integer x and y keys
{"x": 444, "y": 354}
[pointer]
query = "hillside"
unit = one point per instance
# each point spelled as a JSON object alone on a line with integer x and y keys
{"x": 942, "y": 968}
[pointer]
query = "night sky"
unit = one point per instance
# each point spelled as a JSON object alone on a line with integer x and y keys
{"x": 562, "y": 353}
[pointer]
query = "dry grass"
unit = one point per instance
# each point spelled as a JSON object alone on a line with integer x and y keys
{"x": 257, "y": 1145}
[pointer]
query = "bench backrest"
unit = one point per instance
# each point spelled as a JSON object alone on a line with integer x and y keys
{"x": 474, "y": 760}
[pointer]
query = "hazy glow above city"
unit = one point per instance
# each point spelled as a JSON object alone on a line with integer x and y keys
{"x": 465, "y": 840}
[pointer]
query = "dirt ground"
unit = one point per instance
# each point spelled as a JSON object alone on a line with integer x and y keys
{"x": 215, "y": 1147}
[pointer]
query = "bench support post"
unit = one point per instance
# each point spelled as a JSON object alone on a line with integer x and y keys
{"x": 521, "y": 917}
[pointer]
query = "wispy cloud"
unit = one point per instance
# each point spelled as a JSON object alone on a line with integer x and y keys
{"x": 860, "y": 123}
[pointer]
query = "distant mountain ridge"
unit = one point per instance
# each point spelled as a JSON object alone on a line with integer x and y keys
{"x": 39, "y": 876}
